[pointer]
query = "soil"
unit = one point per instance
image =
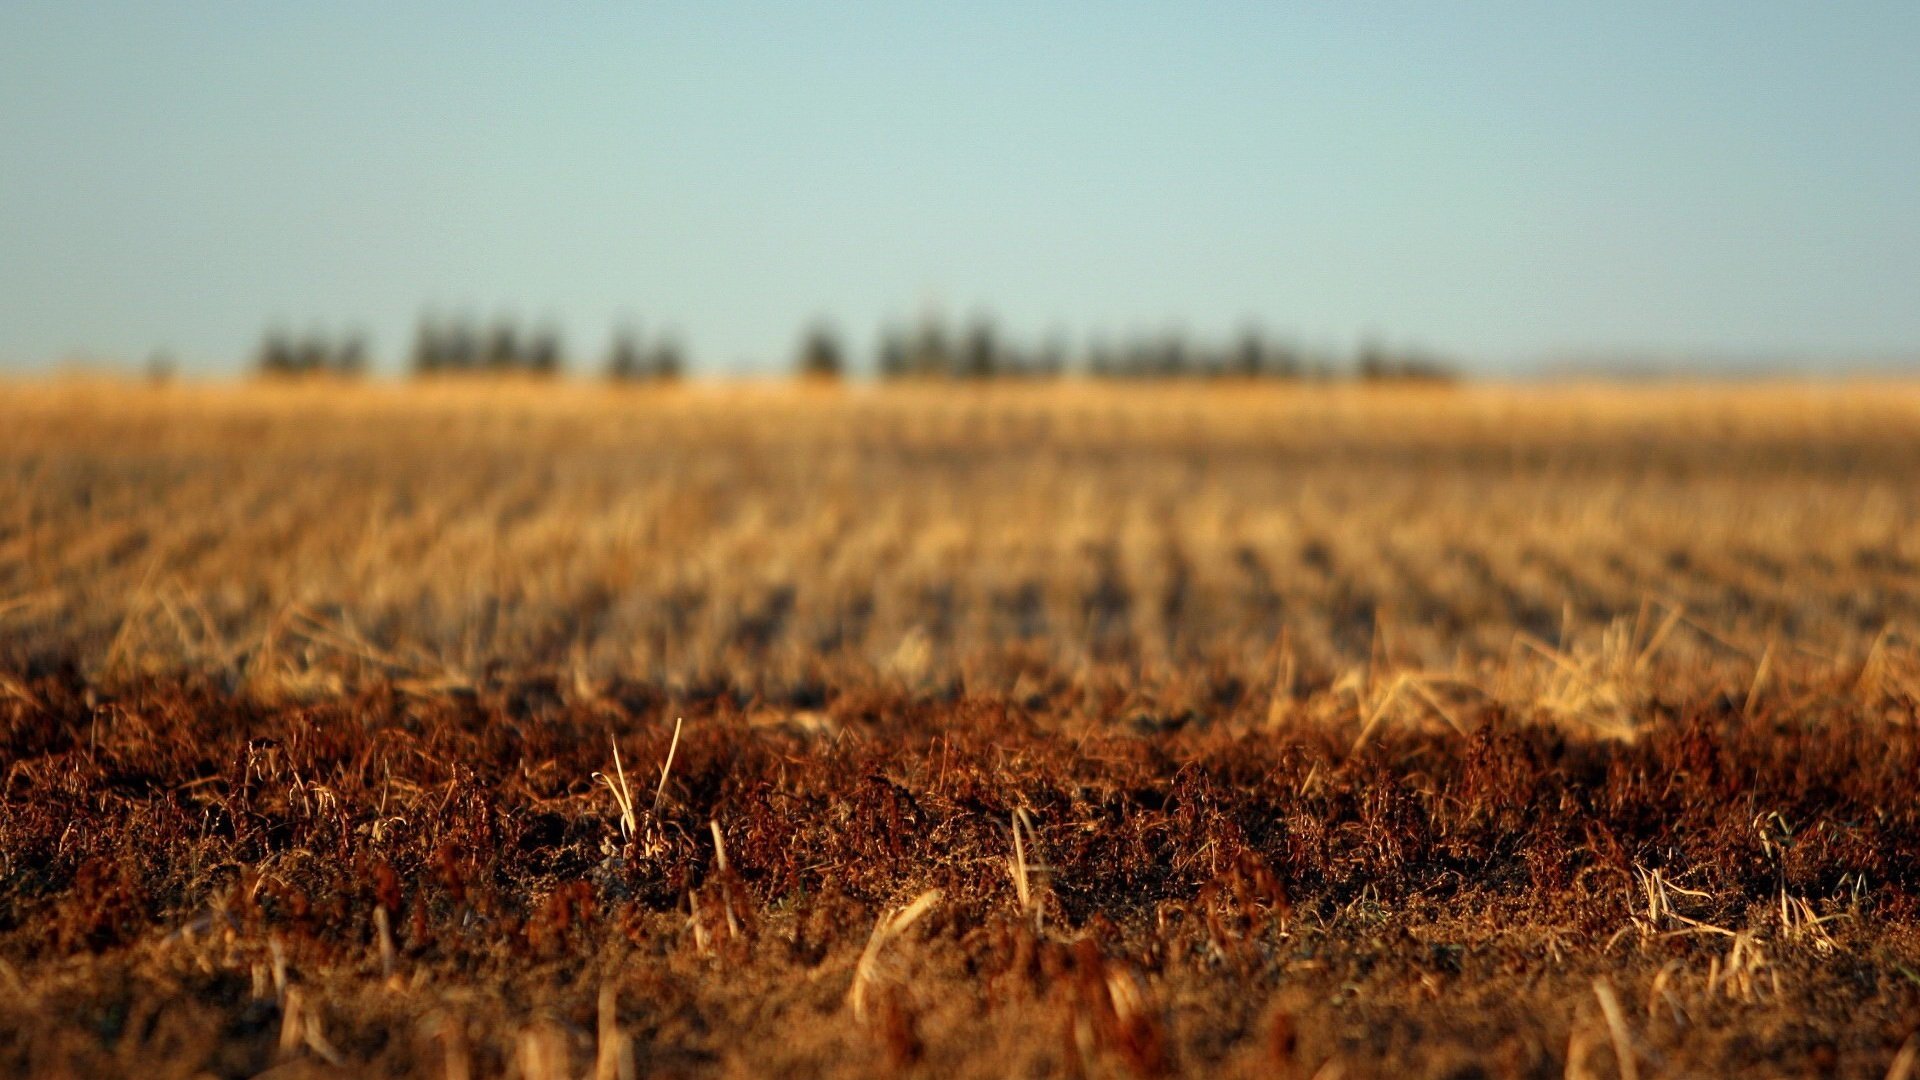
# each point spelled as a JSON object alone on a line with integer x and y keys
{"x": 401, "y": 881}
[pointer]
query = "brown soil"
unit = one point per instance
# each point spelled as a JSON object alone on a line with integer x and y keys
{"x": 197, "y": 885}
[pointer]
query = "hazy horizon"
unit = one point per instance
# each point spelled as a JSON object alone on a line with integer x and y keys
{"x": 1720, "y": 188}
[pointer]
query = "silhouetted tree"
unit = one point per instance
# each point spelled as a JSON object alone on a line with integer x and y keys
{"x": 1249, "y": 360}
{"x": 633, "y": 360}
{"x": 1371, "y": 362}
{"x": 281, "y": 354}
{"x": 1375, "y": 363}
{"x": 820, "y": 356}
{"x": 309, "y": 356}
{"x": 979, "y": 352}
{"x": 276, "y": 355}
{"x": 460, "y": 349}
{"x": 624, "y": 359}
{"x": 429, "y": 350}
{"x": 892, "y": 354}
{"x": 667, "y": 362}
{"x": 1421, "y": 366}
{"x": 542, "y": 355}
{"x": 502, "y": 352}
{"x": 350, "y": 360}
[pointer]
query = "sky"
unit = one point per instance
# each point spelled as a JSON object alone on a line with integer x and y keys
{"x": 1509, "y": 184}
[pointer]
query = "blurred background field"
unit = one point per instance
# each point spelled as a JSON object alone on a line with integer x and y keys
{"x": 772, "y": 537}
{"x": 1093, "y": 727}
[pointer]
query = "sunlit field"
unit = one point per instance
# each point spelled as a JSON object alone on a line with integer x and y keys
{"x": 481, "y": 728}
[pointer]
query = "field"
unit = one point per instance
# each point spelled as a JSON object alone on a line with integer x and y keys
{"x": 482, "y": 729}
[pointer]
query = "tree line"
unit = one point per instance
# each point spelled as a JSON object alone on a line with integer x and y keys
{"x": 283, "y": 353}
{"x": 930, "y": 350}
{"x": 461, "y": 348}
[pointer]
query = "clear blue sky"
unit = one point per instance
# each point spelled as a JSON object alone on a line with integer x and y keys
{"x": 1501, "y": 182}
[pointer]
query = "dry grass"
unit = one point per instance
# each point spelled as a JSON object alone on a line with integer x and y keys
{"x": 1093, "y": 730}
{"x": 306, "y": 539}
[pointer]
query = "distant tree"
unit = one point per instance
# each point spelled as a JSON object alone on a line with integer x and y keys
{"x": 281, "y": 354}
{"x": 893, "y": 354}
{"x": 460, "y": 348}
{"x": 276, "y": 355}
{"x": 350, "y": 360}
{"x": 502, "y": 353}
{"x": 1249, "y": 358}
{"x": 633, "y": 360}
{"x": 542, "y": 355}
{"x": 1375, "y": 363}
{"x": 625, "y": 358}
{"x": 1173, "y": 358}
{"x": 1425, "y": 367}
{"x": 667, "y": 361}
{"x": 979, "y": 352}
{"x": 820, "y": 356}
{"x": 310, "y": 355}
{"x": 429, "y": 348}
{"x": 1371, "y": 362}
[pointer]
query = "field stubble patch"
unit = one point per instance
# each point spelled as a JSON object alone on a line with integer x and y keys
{"x": 465, "y": 731}
{"x": 199, "y": 878}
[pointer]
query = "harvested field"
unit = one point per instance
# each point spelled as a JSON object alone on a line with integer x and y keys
{"x": 543, "y": 731}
